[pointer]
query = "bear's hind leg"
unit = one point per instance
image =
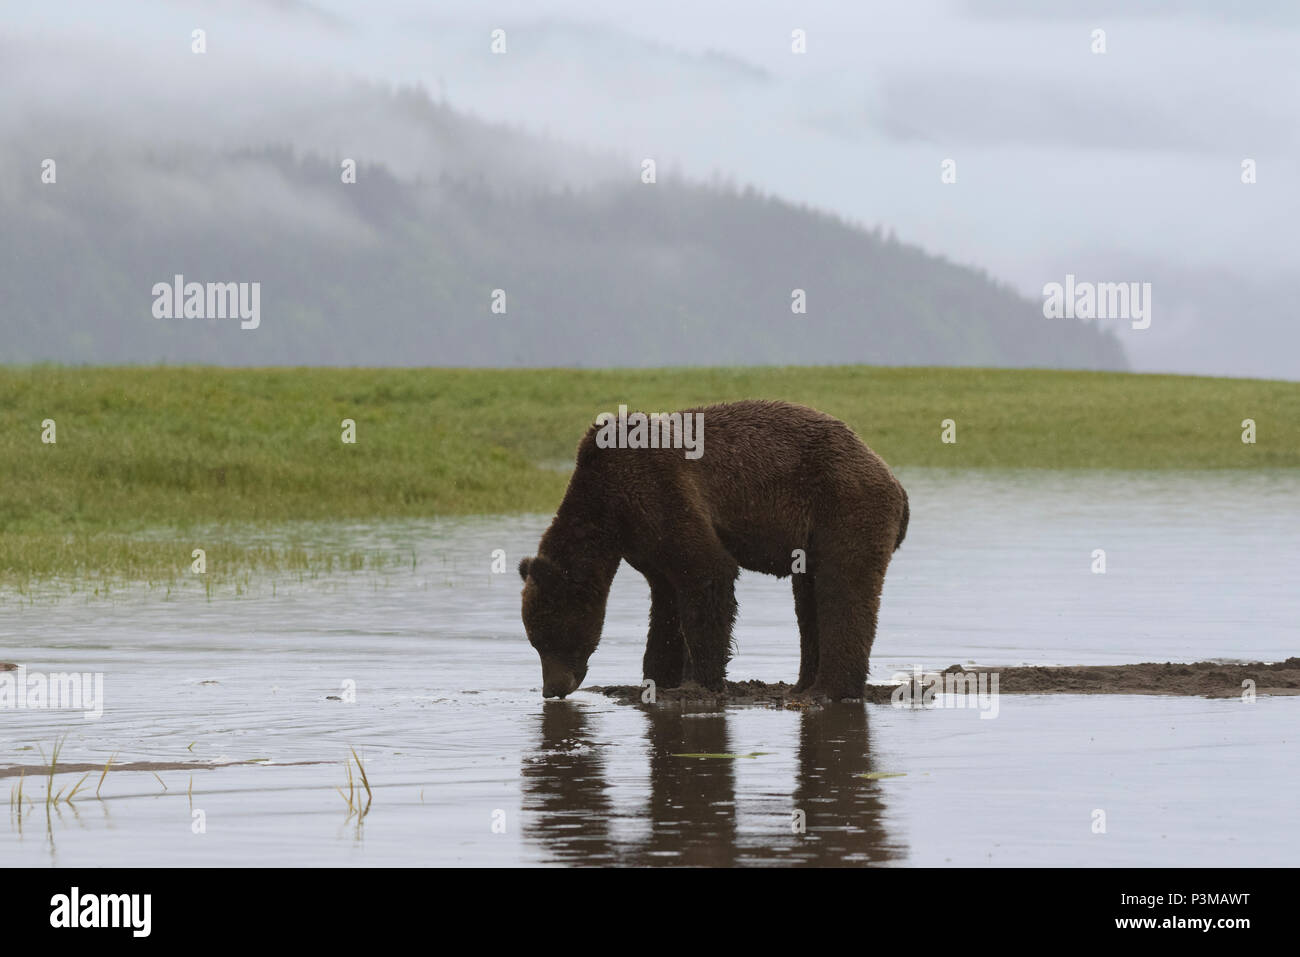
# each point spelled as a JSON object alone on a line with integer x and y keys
{"x": 805, "y": 609}
{"x": 847, "y": 604}
{"x": 664, "y": 649}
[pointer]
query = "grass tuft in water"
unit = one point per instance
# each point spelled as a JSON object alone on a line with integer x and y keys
{"x": 107, "y": 765}
{"x": 50, "y": 797}
{"x": 353, "y": 797}
{"x": 76, "y": 788}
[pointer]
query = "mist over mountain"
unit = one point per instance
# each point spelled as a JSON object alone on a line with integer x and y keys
{"x": 1169, "y": 159}
{"x": 596, "y": 267}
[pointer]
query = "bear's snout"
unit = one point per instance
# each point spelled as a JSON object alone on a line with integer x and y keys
{"x": 558, "y": 681}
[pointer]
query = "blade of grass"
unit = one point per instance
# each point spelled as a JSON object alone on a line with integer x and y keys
{"x": 107, "y": 764}
{"x": 73, "y": 792}
{"x": 362, "y": 769}
{"x": 54, "y": 760}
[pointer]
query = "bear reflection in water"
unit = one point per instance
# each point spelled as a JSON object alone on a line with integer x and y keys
{"x": 587, "y": 803}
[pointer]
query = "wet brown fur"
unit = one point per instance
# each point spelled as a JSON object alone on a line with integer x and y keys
{"x": 774, "y": 477}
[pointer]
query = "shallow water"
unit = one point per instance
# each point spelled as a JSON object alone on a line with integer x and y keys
{"x": 468, "y": 765}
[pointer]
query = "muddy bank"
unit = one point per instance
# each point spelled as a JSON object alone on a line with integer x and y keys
{"x": 37, "y": 771}
{"x": 1203, "y": 678}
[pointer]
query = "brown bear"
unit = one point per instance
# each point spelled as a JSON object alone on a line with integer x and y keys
{"x": 762, "y": 481}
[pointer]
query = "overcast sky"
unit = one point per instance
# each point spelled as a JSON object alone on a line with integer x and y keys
{"x": 1123, "y": 166}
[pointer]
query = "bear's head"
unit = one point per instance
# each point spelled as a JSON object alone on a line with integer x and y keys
{"x": 563, "y": 616}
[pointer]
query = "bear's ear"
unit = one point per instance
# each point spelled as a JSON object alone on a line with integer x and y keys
{"x": 543, "y": 571}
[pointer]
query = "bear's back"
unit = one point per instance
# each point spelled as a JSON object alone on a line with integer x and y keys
{"x": 762, "y": 452}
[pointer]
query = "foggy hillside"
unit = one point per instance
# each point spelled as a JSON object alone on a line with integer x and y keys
{"x": 399, "y": 268}
{"x": 1149, "y": 144}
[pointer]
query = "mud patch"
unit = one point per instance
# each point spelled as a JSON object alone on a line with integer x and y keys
{"x": 41, "y": 770}
{"x": 690, "y": 696}
{"x": 1209, "y": 679}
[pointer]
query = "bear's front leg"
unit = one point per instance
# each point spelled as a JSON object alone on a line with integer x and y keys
{"x": 805, "y": 609}
{"x": 664, "y": 648}
{"x": 708, "y": 612}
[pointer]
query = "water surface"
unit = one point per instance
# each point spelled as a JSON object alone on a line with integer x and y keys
{"x": 469, "y": 766}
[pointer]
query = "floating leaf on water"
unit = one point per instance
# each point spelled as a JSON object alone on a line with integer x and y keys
{"x": 877, "y": 775}
{"x": 752, "y": 754}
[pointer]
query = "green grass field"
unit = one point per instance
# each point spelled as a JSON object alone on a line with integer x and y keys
{"x": 163, "y": 450}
